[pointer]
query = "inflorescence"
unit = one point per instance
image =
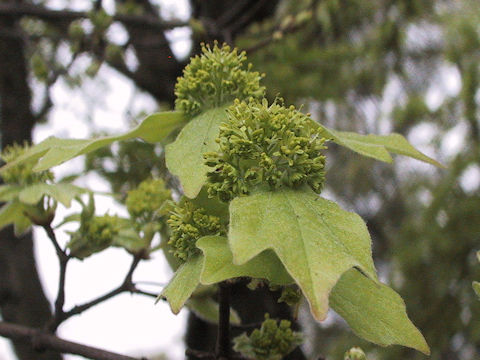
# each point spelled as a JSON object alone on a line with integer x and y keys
{"x": 22, "y": 174}
{"x": 188, "y": 224}
{"x": 216, "y": 77}
{"x": 271, "y": 342}
{"x": 144, "y": 202}
{"x": 265, "y": 144}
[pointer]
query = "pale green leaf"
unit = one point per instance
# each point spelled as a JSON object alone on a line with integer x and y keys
{"x": 9, "y": 192}
{"x": 218, "y": 264}
{"x": 184, "y": 157}
{"x": 54, "y": 151}
{"x": 13, "y": 213}
{"x": 314, "y": 238}
{"x": 378, "y": 147}
{"x": 476, "y": 288}
{"x": 129, "y": 239}
{"x": 207, "y": 309}
{"x": 375, "y": 312}
{"x": 183, "y": 284}
{"x": 62, "y": 192}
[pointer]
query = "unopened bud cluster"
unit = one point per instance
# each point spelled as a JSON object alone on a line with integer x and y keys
{"x": 144, "y": 202}
{"x": 22, "y": 174}
{"x": 355, "y": 353}
{"x": 271, "y": 342}
{"x": 188, "y": 224}
{"x": 216, "y": 77}
{"x": 94, "y": 235}
{"x": 265, "y": 144}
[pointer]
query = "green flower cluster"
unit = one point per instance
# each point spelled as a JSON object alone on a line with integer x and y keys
{"x": 188, "y": 224}
{"x": 264, "y": 144}
{"x": 215, "y": 78}
{"x": 355, "y": 353}
{"x": 144, "y": 202}
{"x": 94, "y": 235}
{"x": 272, "y": 341}
{"x": 22, "y": 174}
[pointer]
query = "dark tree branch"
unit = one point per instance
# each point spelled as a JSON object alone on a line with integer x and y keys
{"x": 223, "y": 347}
{"x": 41, "y": 12}
{"x": 48, "y": 341}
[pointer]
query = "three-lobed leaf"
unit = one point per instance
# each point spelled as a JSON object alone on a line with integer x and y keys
{"x": 184, "y": 157}
{"x": 375, "y": 312}
{"x": 314, "y": 238}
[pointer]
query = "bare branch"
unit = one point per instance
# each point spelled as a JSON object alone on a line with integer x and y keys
{"x": 41, "y": 12}
{"x": 43, "y": 341}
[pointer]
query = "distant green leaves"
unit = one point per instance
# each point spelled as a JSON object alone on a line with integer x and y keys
{"x": 314, "y": 238}
{"x": 377, "y": 147}
{"x": 375, "y": 312}
{"x": 54, "y": 151}
{"x": 184, "y": 157}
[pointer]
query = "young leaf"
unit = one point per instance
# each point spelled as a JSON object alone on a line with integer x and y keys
{"x": 378, "y": 147}
{"x": 54, "y": 151}
{"x": 13, "y": 213}
{"x": 375, "y": 312}
{"x": 314, "y": 238}
{"x": 184, "y": 157}
{"x": 218, "y": 264}
{"x": 61, "y": 192}
{"x": 183, "y": 284}
{"x": 9, "y": 192}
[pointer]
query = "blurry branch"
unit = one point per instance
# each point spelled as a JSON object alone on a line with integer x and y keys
{"x": 41, "y": 12}
{"x": 42, "y": 341}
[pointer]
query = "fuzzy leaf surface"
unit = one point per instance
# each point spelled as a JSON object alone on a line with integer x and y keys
{"x": 375, "y": 312}
{"x": 377, "y": 147}
{"x": 54, "y": 151}
{"x": 314, "y": 238}
{"x": 184, "y": 157}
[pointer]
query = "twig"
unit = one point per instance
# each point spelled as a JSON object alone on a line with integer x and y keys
{"x": 127, "y": 285}
{"x": 223, "y": 336}
{"x": 63, "y": 259}
{"x": 48, "y": 341}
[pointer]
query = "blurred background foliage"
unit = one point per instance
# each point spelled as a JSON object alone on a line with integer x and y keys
{"x": 379, "y": 66}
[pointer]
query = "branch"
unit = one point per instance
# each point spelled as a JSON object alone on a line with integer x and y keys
{"x": 63, "y": 259}
{"x": 223, "y": 336}
{"x": 127, "y": 285}
{"x": 24, "y": 9}
{"x": 47, "y": 341}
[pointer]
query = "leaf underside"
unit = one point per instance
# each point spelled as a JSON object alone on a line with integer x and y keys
{"x": 375, "y": 312}
{"x": 184, "y": 157}
{"x": 314, "y": 238}
{"x": 54, "y": 151}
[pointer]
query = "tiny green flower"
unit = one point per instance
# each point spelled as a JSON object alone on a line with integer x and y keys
{"x": 22, "y": 174}
{"x": 216, "y": 77}
{"x": 272, "y": 341}
{"x": 144, "y": 202}
{"x": 265, "y": 144}
{"x": 355, "y": 353}
{"x": 189, "y": 223}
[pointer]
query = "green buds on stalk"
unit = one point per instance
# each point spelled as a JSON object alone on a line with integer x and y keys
{"x": 355, "y": 353}
{"x": 144, "y": 202}
{"x": 94, "y": 235}
{"x": 272, "y": 341}
{"x": 265, "y": 144}
{"x": 22, "y": 174}
{"x": 216, "y": 77}
{"x": 188, "y": 224}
